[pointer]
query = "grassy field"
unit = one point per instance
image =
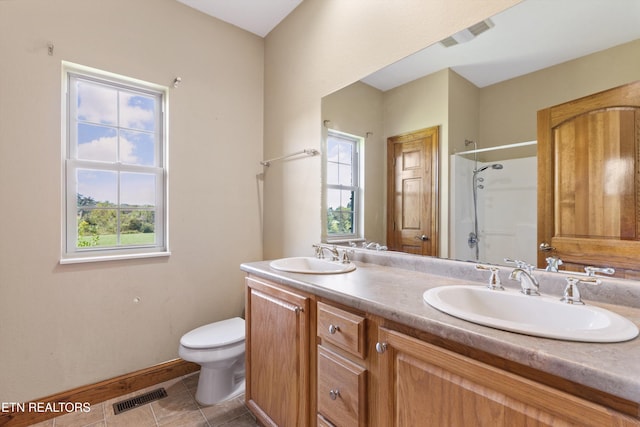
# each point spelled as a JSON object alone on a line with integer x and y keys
{"x": 125, "y": 239}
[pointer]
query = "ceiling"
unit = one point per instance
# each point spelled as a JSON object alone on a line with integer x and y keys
{"x": 532, "y": 35}
{"x": 256, "y": 16}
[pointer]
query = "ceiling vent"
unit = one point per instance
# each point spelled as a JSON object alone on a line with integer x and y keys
{"x": 468, "y": 33}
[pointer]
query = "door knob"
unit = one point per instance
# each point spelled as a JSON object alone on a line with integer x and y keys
{"x": 424, "y": 238}
{"x": 545, "y": 247}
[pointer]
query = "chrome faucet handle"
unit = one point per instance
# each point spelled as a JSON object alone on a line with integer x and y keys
{"x": 553, "y": 263}
{"x": 319, "y": 250}
{"x": 572, "y": 293}
{"x": 591, "y": 271}
{"x": 520, "y": 264}
{"x": 344, "y": 258}
{"x": 494, "y": 279}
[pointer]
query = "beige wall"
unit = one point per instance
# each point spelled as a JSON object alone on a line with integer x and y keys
{"x": 64, "y": 326}
{"x": 322, "y": 46}
{"x": 420, "y": 104}
{"x": 508, "y": 110}
{"x": 358, "y": 110}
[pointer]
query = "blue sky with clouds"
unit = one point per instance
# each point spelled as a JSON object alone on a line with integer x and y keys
{"x": 116, "y": 125}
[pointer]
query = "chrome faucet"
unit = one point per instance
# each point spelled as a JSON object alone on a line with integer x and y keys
{"x": 524, "y": 274}
{"x": 528, "y": 283}
{"x": 335, "y": 253}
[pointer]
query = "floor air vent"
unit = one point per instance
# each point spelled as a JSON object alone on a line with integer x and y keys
{"x": 143, "y": 399}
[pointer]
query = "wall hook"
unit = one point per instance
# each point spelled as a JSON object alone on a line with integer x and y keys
{"x": 177, "y": 81}
{"x": 50, "y": 49}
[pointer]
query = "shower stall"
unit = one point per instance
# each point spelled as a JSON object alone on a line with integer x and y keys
{"x": 494, "y": 204}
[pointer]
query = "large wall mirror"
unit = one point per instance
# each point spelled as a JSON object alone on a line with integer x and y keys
{"x": 482, "y": 88}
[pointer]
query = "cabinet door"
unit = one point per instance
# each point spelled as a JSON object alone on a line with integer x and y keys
{"x": 277, "y": 383}
{"x": 426, "y": 385}
{"x": 588, "y": 181}
{"x": 341, "y": 390}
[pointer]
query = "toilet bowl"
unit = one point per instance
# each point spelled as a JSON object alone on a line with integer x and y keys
{"x": 219, "y": 350}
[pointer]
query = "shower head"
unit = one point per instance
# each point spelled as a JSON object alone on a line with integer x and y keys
{"x": 493, "y": 166}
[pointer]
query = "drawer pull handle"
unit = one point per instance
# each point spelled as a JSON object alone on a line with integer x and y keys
{"x": 333, "y": 329}
{"x": 333, "y": 394}
{"x": 381, "y": 347}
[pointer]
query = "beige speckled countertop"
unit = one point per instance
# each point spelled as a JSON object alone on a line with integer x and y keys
{"x": 395, "y": 293}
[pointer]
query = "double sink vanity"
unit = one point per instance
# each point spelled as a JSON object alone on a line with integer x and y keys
{"x": 368, "y": 341}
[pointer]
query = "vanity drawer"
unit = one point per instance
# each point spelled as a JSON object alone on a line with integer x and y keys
{"x": 341, "y": 390}
{"x": 342, "y": 329}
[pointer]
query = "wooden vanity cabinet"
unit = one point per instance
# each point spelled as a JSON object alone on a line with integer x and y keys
{"x": 430, "y": 386}
{"x": 313, "y": 362}
{"x": 277, "y": 354}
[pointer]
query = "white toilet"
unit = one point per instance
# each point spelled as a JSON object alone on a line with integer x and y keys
{"x": 219, "y": 350}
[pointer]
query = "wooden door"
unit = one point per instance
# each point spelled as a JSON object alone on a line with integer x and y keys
{"x": 412, "y": 196}
{"x": 424, "y": 385}
{"x": 589, "y": 181}
{"x": 277, "y": 375}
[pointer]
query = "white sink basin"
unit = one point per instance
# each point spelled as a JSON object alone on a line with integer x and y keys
{"x": 311, "y": 265}
{"x": 541, "y": 316}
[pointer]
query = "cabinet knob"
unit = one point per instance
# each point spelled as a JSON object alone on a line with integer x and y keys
{"x": 381, "y": 347}
{"x": 333, "y": 329}
{"x": 333, "y": 394}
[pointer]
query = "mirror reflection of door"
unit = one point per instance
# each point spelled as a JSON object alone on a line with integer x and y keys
{"x": 589, "y": 181}
{"x": 412, "y": 199}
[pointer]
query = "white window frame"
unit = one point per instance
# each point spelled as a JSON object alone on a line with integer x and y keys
{"x": 357, "y": 188}
{"x": 71, "y": 164}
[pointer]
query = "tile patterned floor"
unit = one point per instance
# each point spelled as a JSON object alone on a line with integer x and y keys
{"x": 178, "y": 409}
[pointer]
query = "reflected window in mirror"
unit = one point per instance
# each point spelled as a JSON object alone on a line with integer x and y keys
{"x": 342, "y": 189}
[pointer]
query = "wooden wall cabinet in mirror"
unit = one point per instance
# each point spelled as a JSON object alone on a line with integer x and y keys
{"x": 589, "y": 181}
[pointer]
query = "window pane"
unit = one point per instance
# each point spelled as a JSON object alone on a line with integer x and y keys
{"x": 346, "y": 175}
{"x": 97, "y": 227}
{"x": 96, "y": 143}
{"x": 137, "y": 227}
{"x": 333, "y": 178}
{"x": 137, "y": 189}
{"x": 137, "y": 111}
{"x": 337, "y": 199}
{"x": 333, "y": 148}
{"x": 98, "y": 186}
{"x": 346, "y": 153}
{"x": 97, "y": 103}
{"x": 340, "y": 222}
{"x": 137, "y": 148}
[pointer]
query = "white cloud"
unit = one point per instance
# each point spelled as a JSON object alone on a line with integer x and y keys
{"x": 134, "y": 116}
{"x": 99, "y": 104}
{"x": 104, "y": 149}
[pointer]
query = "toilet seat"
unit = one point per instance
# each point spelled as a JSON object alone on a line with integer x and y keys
{"x": 218, "y": 334}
